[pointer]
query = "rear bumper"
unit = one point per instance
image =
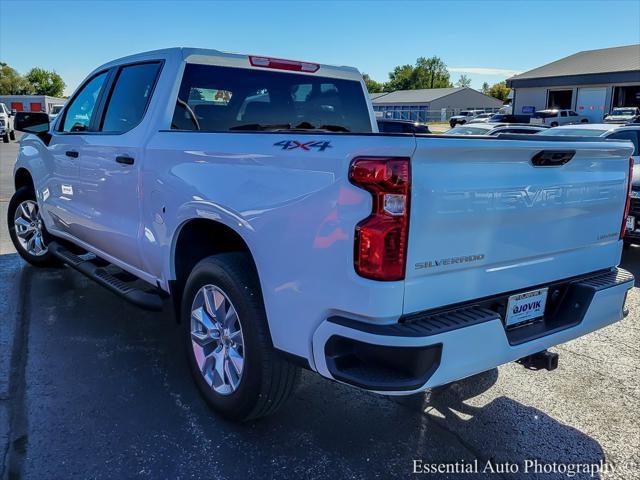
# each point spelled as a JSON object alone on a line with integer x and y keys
{"x": 435, "y": 348}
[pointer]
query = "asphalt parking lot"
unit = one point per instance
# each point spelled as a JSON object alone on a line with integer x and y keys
{"x": 91, "y": 387}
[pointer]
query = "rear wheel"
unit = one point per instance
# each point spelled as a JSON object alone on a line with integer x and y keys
{"x": 27, "y": 230}
{"x": 228, "y": 344}
{"x": 554, "y": 124}
{"x": 5, "y": 137}
{"x": 584, "y": 120}
{"x": 12, "y": 134}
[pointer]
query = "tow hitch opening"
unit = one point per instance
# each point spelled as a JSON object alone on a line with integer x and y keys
{"x": 542, "y": 360}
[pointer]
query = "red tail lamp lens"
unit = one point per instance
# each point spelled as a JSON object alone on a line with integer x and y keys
{"x": 381, "y": 238}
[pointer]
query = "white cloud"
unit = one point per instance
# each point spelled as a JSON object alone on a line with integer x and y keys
{"x": 502, "y": 72}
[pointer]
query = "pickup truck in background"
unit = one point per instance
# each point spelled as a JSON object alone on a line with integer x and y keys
{"x": 258, "y": 194}
{"x": 464, "y": 117}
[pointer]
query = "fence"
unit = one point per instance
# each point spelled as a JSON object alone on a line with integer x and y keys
{"x": 421, "y": 114}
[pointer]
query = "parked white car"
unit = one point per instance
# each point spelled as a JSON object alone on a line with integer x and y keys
{"x": 554, "y": 118}
{"x": 7, "y": 131}
{"x": 481, "y": 118}
{"x": 258, "y": 195}
{"x": 55, "y": 111}
{"x": 493, "y": 129}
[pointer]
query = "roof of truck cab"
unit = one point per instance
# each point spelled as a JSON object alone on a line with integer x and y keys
{"x": 240, "y": 60}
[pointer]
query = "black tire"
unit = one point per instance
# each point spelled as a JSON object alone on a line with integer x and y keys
{"x": 12, "y": 134}
{"x": 452, "y": 123}
{"x": 5, "y": 137}
{"x": 584, "y": 120}
{"x": 553, "y": 124}
{"x": 267, "y": 379}
{"x": 45, "y": 260}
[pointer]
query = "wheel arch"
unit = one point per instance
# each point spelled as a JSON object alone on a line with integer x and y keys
{"x": 23, "y": 178}
{"x": 194, "y": 240}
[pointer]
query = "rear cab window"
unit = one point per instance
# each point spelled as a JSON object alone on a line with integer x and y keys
{"x": 228, "y": 99}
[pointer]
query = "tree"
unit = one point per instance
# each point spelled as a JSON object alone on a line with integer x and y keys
{"x": 499, "y": 90}
{"x": 427, "y": 73}
{"x": 400, "y": 78}
{"x": 463, "y": 81}
{"x": 12, "y": 83}
{"x": 485, "y": 88}
{"x": 372, "y": 85}
{"x": 433, "y": 71}
{"x": 45, "y": 82}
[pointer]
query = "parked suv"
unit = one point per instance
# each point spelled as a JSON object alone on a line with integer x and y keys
{"x": 257, "y": 194}
{"x": 6, "y": 124}
{"x": 554, "y": 117}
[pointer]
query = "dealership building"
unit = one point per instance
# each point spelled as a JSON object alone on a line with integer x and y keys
{"x": 592, "y": 83}
{"x": 31, "y": 103}
{"x": 431, "y": 104}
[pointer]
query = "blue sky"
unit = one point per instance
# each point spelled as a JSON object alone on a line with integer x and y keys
{"x": 487, "y": 40}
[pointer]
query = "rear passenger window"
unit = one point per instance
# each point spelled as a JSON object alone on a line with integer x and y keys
{"x": 129, "y": 97}
{"x": 219, "y": 99}
{"x": 78, "y": 115}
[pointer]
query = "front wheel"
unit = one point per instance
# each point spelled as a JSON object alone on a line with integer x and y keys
{"x": 227, "y": 338}
{"x": 27, "y": 230}
{"x": 5, "y": 137}
{"x": 554, "y": 124}
{"x": 584, "y": 120}
{"x": 12, "y": 134}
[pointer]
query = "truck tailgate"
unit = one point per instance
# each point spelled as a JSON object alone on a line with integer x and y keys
{"x": 484, "y": 220}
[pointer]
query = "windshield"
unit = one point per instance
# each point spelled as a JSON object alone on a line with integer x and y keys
{"x": 623, "y": 111}
{"x": 573, "y": 132}
{"x": 214, "y": 98}
{"x": 464, "y": 130}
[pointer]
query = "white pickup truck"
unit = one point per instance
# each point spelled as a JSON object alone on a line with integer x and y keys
{"x": 258, "y": 195}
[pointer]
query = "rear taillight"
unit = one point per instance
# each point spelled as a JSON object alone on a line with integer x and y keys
{"x": 627, "y": 205}
{"x": 381, "y": 238}
{"x": 282, "y": 64}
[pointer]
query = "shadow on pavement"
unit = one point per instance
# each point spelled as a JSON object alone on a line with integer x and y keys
{"x": 108, "y": 395}
{"x": 631, "y": 261}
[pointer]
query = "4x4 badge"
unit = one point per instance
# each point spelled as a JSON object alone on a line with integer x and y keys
{"x": 307, "y": 146}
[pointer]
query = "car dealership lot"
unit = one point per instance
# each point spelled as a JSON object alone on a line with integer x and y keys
{"x": 91, "y": 387}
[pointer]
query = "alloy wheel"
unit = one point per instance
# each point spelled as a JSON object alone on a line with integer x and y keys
{"x": 216, "y": 339}
{"x": 29, "y": 228}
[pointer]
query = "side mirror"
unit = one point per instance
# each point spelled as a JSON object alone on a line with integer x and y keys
{"x": 33, "y": 122}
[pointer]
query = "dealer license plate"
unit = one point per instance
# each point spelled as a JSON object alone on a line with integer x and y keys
{"x": 631, "y": 222}
{"x": 526, "y": 306}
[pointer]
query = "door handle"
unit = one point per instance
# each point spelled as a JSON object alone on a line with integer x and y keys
{"x": 125, "y": 159}
{"x": 71, "y": 153}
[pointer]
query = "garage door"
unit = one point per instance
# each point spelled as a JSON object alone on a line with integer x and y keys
{"x": 590, "y": 103}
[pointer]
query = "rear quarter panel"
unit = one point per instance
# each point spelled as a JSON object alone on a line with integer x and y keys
{"x": 295, "y": 209}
